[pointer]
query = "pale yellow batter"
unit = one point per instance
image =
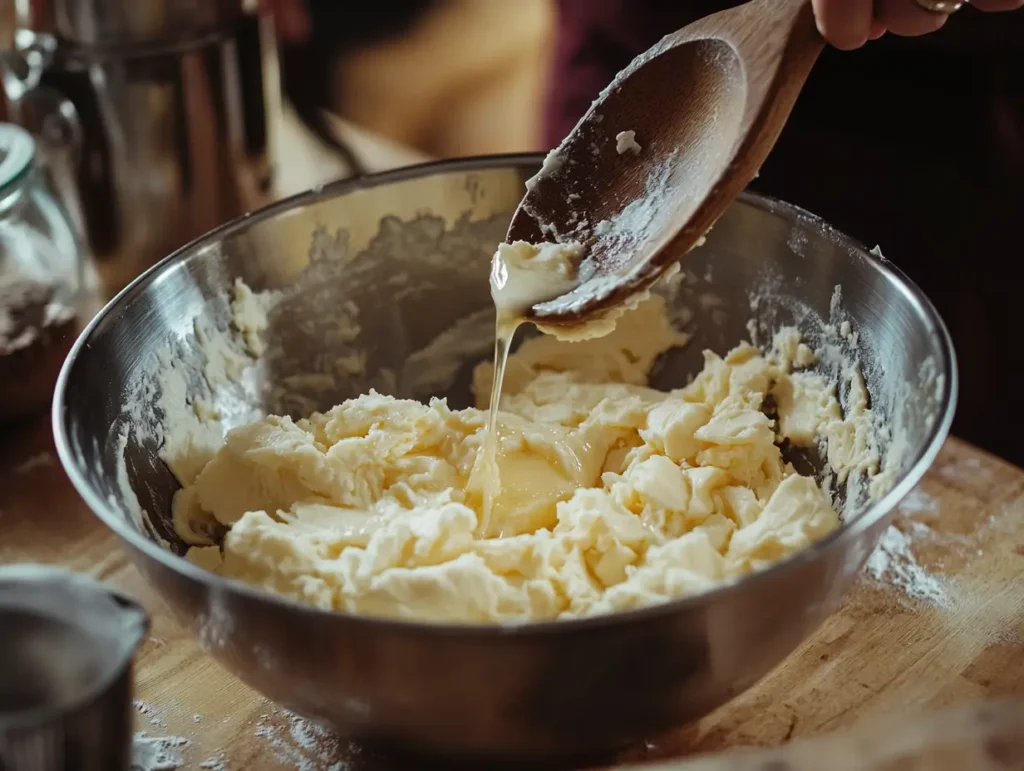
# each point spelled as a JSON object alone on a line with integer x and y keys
{"x": 613, "y": 495}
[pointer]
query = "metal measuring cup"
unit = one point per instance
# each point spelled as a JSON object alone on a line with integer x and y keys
{"x": 66, "y": 649}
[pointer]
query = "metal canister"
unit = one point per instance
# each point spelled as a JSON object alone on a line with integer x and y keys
{"x": 66, "y": 681}
{"x": 153, "y": 116}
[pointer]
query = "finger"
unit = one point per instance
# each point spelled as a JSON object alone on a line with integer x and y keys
{"x": 907, "y": 18}
{"x": 997, "y": 5}
{"x": 877, "y": 30}
{"x": 846, "y": 24}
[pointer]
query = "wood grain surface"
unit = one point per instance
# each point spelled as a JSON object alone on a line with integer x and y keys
{"x": 980, "y": 736}
{"x": 939, "y": 624}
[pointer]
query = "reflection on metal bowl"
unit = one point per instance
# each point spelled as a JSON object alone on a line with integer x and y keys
{"x": 527, "y": 692}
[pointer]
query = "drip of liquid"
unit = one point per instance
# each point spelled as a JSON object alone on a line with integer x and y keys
{"x": 521, "y": 275}
{"x": 504, "y": 330}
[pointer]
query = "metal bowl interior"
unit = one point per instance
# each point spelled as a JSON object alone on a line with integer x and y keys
{"x": 407, "y": 254}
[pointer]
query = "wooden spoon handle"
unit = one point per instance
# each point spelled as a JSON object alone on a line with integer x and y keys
{"x": 778, "y": 43}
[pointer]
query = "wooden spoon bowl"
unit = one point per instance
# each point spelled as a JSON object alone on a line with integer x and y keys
{"x": 707, "y": 104}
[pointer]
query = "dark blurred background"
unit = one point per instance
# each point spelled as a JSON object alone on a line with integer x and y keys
{"x": 915, "y": 145}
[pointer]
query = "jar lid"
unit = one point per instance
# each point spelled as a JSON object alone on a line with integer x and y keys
{"x": 17, "y": 151}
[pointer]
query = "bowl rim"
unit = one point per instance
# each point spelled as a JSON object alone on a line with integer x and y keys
{"x": 528, "y": 162}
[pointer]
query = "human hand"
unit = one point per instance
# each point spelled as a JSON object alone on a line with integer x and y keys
{"x": 849, "y": 24}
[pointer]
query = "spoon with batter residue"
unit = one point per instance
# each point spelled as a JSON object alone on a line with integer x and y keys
{"x": 664, "y": 150}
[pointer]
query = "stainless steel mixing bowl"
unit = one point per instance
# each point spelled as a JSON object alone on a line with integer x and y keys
{"x": 411, "y": 249}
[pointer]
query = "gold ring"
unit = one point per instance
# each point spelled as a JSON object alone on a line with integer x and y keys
{"x": 941, "y": 6}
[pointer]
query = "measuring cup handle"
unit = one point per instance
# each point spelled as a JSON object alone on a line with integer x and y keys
{"x": 135, "y": 616}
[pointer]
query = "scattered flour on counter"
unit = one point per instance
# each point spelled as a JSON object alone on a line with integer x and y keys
{"x": 893, "y": 562}
{"x": 157, "y": 753}
{"x": 149, "y": 712}
{"x": 964, "y": 546}
{"x": 217, "y": 763}
{"x": 918, "y": 502}
{"x": 965, "y": 471}
{"x": 304, "y": 745}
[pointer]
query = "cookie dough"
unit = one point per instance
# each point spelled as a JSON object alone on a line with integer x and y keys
{"x": 524, "y": 274}
{"x": 614, "y": 495}
{"x": 625, "y": 142}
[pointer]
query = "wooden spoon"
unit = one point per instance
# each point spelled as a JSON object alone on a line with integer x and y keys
{"x": 707, "y": 104}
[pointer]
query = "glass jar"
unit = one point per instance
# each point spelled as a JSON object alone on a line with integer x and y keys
{"x": 42, "y": 279}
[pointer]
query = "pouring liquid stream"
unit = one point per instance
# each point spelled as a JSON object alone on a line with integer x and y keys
{"x": 505, "y": 328}
{"x": 522, "y": 275}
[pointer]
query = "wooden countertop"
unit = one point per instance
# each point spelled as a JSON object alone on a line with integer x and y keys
{"x": 940, "y": 623}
